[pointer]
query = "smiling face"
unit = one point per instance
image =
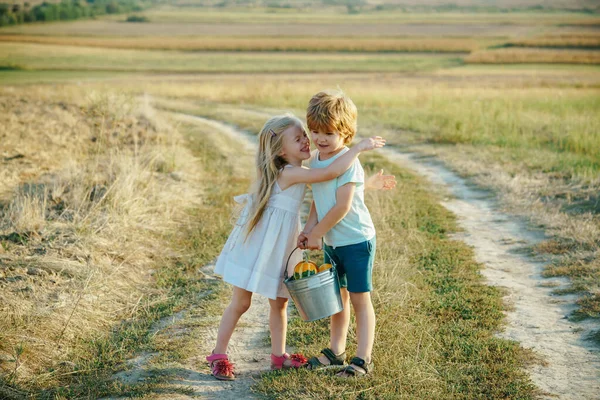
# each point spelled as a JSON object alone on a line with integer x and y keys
{"x": 295, "y": 145}
{"x": 329, "y": 143}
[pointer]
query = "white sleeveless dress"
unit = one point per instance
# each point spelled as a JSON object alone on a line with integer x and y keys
{"x": 257, "y": 264}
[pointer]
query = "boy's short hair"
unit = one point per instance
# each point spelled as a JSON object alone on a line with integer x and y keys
{"x": 332, "y": 110}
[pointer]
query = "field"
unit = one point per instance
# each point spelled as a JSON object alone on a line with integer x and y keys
{"x": 111, "y": 203}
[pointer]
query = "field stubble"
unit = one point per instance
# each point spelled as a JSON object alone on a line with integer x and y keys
{"x": 85, "y": 210}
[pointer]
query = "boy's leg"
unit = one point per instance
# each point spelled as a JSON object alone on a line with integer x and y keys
{"x": 365, "y": 328}
{"x": 278, "y": 325}
{"x": 359, "y": 266}
{"x": 339, "y": 324}
{"x": 240, "y": 303}
{"x": 365, "y": 324}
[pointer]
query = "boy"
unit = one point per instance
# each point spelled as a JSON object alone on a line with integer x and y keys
{"x": 339, "y": 217}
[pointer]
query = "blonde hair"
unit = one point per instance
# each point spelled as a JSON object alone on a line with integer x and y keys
{"x": 268, "y": 163}
{"x": 332, "y": 110}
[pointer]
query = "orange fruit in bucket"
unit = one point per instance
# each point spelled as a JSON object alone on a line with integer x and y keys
{"x": 324, "y": 267}
{"x": 305, "y": 269}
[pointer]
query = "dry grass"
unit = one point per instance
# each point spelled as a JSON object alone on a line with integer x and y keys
{"x": 81, "y": 234}
{"x": 533, "y": 56}
{"x": 279, "y": 27}
{"x": 339, "y": 16}
{"x": 575, "y": 40}
{"x": 435, "y": 320}
{"x": 52, "y": 57}
{"x": 567, "y": 209}
{"x": 530, "y": 141}
{"x": 307, "y": 44}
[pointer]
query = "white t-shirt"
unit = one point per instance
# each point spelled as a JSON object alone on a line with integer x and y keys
{"x": 356, "y": 226}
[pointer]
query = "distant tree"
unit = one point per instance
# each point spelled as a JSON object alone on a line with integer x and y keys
{"x": 112, "y": 8}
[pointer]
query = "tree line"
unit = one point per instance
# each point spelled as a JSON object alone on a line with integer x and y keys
{"x": 12, "y": 14}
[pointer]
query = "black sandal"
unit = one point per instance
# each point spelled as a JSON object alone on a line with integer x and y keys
{"x": 359, "y": 362}
{"x": 335, "y": 361}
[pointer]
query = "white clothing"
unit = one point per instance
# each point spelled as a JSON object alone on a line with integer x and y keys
{"x": 257, "y": 263}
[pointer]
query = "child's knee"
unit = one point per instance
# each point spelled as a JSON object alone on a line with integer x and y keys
{"x": 279, "y": 304}
{"x": 361, "y": 300}
{"x": 241, "y": 305}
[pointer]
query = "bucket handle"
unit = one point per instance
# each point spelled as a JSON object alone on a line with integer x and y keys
{"x": 285, "y": 276}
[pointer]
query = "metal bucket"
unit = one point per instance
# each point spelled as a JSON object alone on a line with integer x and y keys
{"x": 317, "y": 296}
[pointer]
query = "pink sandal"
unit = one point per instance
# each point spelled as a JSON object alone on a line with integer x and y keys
{"x": 221, "y": 367}
{"x": 296, "y": 361}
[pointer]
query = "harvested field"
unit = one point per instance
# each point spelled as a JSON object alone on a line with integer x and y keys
{"x": 52, "y": 57}
{"x": 292, "y": 29}
{"x": 579, "y": 41}
{"x": 212, "y": 43}
{"x": 534, "y": 56}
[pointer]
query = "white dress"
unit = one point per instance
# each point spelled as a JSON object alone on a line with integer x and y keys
{"x": 257, "y": 264}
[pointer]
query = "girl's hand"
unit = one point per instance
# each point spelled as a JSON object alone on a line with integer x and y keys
{"x": 302, "y": 239}
{"x": 380, "y": 181}
{"x": 371, "y": 143}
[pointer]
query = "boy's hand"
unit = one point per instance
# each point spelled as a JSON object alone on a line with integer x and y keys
{"x": 302, "y": 239}
{"x": 371, "y": 143}
{"x": 313, "y": 242}
{"x": 381, "y": 182}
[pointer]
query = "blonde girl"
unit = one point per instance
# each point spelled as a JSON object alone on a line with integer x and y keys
{"x": 254, "y": 257}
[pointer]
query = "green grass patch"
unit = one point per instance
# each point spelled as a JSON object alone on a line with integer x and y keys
{"x": 25, "y": 77}
{"x": 436, "y": 317}
{"x": 52, "y": 57}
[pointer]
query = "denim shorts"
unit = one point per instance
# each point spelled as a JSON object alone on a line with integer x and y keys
{"x": 354, "y": 264}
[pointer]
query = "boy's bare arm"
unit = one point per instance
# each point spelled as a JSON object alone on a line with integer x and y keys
{"x": 343, "y": 204}
{"x": 310, "y": 224}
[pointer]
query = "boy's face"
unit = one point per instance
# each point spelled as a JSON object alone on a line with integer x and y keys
{"x": 328, "y": 143}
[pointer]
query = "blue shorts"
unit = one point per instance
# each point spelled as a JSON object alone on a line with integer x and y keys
{"x": 354, "y": 264}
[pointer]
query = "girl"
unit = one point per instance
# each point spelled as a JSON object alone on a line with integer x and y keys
{"x": 255, "y": 254}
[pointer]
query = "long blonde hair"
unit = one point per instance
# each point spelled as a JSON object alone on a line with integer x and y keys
{"x": 268, "y": 164}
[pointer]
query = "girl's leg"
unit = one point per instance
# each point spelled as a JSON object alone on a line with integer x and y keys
{"x": 365, "y": 325}
{"x": 278, "y": 325}
{"x": 339, "y": 324}
{"x": 240, "y": 303}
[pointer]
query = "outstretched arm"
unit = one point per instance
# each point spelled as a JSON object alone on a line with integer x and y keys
{"x": 380, "y": 182}
{"x": 291, "y": 176}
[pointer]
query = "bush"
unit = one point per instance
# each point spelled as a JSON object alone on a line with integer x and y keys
{"x": 137, "y": 18}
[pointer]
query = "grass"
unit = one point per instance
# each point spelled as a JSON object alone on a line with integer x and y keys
{"x": 558, "y": 124}
{"x": 51, "y": 57}
{"x": 564, "y": 41}
{"x": 250, "y": 22}
{"x": 436, "y": 319}
{"x": 534, "y": 146}
{"x": 322, "y": 15}
{"x": 87, "y": 175}
{"x": 533, "y": 56}
{"x": 270, "y": 44}
{"x": 95, "y": 243}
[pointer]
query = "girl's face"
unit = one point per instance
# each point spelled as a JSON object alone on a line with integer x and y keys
{"x": 295, "y": 145}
